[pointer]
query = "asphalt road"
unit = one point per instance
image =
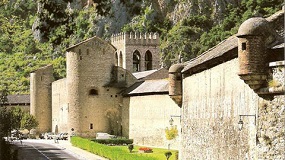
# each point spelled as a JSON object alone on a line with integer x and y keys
{"x": 40, "y": 150}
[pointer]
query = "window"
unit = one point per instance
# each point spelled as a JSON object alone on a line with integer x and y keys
{"x": 136, "y": 61}
{"x": 91, "y": 126}
{"x": 93, "y": 92}
{"x": 148, "y": 60}
{"x": 116, "y": 59}
{"x": 243, "y": 46}
{"x": 121, "y": 59}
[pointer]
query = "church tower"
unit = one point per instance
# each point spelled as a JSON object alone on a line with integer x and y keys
{"x": 137, "y": 52}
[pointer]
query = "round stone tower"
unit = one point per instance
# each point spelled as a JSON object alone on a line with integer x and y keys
{"x": 89, "y": 66}
{"x": 175, "y": 83}
{"x": 254, "y": 35}
{"x": 40, "y": 95}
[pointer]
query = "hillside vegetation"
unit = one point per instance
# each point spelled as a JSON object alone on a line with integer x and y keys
{"x": 36, "y": 33}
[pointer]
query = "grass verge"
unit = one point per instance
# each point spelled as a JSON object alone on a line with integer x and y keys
{"x": 120, "y": 152}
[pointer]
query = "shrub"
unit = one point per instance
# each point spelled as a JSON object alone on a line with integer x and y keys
{"x": 113, "y": 141}
{"x": 130, "y": 147}
{"x": 171, "y": 132}
{"x": 167, "y": 154}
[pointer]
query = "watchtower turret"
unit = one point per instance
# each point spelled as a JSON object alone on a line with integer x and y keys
{"x": 253, "y": 37}
{"x": 175, "y": 83}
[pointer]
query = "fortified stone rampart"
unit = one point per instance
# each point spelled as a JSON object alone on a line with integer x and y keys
{"x": 245, "y": 87}
{"x": 40, "y": 92}
{"x": 212, "y": 102}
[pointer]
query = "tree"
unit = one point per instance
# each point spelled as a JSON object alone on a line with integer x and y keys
{"x": 3, "y": 94}
{"x": 16, "y": 117}
{"x": 5, "y": 122}
{"x": 29, "y": 122}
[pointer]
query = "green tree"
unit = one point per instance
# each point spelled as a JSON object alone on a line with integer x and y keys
{"x": 5, "y": 122}
{"x": 16, "y": 117}
{"x": 29, "y": 122}
{"x": 3, "y": 94}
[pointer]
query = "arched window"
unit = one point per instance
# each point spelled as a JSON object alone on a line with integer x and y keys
{"x": 136, "y": 61}
{"x": 116, "y": 59}
{"x": 93, "y": 92}
{"x": 121, "y": 59}
{"x": 148, "y": 60}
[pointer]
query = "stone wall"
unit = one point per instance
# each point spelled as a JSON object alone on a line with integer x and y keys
{"x": 271, "y": 130}
{"x": 59, "y": 106}
{"x": 212, "y": 102}
{"x": 148, "y": 118}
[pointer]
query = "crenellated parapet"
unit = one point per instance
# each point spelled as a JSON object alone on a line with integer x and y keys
{"x": 136, "y": 38}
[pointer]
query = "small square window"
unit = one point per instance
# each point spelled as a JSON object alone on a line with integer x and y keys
{"x": 93, "y": 92}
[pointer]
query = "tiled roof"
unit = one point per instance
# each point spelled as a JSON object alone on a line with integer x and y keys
{"x": 141, "y": 75}
{"x": 87, "y": 40}
{"x": 148, "y": 87}
{"x": 215, "y": 52}
{"x": 18, "y": 99}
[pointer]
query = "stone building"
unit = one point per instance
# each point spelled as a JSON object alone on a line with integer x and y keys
{"x": 229, "y": 100}
{"x": 18, "y": 100}
{"x": 239, "y": 82}
{"x": 116, "y": 87}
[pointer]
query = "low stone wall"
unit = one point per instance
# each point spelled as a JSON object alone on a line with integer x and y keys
{"x": 148, "y": 118}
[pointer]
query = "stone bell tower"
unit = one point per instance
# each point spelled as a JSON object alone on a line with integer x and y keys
{"x": 137, "y": 52}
